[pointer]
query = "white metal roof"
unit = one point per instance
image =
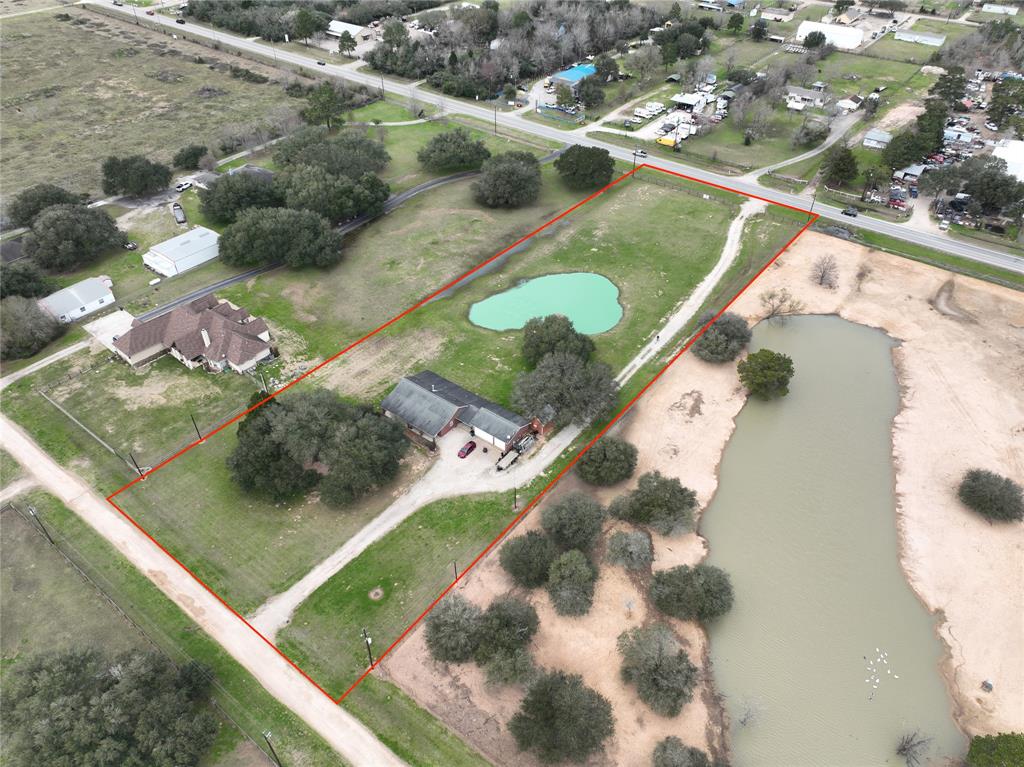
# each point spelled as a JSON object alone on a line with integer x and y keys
{"x": 75, "y": 296}
{"x": 846, "y": 38}
{"x": 1013, "y": 153}
{"x": 337, "y": 27}
{"x": 188, "y": 244}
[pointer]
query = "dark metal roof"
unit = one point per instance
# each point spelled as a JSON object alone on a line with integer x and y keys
{"x": 427, "y": 402}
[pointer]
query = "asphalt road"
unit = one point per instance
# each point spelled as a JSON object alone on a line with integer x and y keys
{"x": 979, "y": 253}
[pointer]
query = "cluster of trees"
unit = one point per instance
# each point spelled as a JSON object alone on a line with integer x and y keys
{"x": 80, "y": 707}
{"x": 453, "y": 150}
{"x": 328, "y": 101}
{"x": 672, "y": 752}
{"x": 654, "y": 662}
{"x": 536, "y": 38}
{"x": 766, "y": 374}
{"x": 269, "y": 19}
{"x": 26, "y": 328}
{"x": 563, "y": 376}
{"x": 558, "y": 557}
{"x": 64, "y": 234}
{"x": 724, "y": 340}
{"x": 312, "y": 439}
{"x": 134, "y": 176}
{"x": 699, "y": 593}
{"x": 508, "y": 180}
{"x": 497, "y": 638}
{"x": 658, "y": 502}
{"x": 188, "y": 157}
{"x": 608, "y": 462}
{"x": 685, "y": 39}
{"x": 996, "y": 750}
{"x": 561, "y": 719}
{"x": 585, "y": 167}
{"x": 986, "y": 180}
{"x": 840, "y": 166}
{"x": 324, "y": 180}
{"x": 997, "y": 498}
{"x": 924, "y": 138}
{"x": 997, "y": 45}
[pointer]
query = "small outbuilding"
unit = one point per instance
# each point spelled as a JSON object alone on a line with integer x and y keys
{"x": 910, "y": 36}
{"x": 186, "y": 251}
{"x": 876, "y": 138}
{"x": 80, "y": 299}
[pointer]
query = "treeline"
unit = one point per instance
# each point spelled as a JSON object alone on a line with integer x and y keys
{"x": 534, "y": 39}
{"x": 273, "y": 19}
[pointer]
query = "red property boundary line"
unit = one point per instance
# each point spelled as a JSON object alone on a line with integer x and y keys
{"x": 812, "y": 217}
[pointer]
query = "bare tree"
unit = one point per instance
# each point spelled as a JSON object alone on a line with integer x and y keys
{"x": 911, "y": 747}
{"x": 778, "y": 304}
{"x": 862, "y": 274}
{"x": 825, "y": 271}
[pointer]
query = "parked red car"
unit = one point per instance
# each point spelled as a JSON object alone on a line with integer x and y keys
{"x": 468, "y": 448}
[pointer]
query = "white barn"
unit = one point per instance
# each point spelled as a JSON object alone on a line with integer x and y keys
{"x": 359, "y": 34}
{"x": 186, "y": 251}
{"x": 843, "y": 38}
{"x": 80, "y": 299}
{"x": 923, "y": 38}
{"x": 1003, "y": 10}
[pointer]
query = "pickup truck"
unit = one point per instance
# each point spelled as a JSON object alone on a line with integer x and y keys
{"x": 179, "y": 214}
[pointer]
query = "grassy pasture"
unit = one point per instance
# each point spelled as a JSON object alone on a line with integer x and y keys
{"x": 76, "y": 91}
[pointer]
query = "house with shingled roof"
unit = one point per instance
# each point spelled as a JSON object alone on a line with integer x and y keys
{"x": 209, "y": 332}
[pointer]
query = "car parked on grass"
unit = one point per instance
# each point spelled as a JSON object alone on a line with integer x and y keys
{"x": 466, "y": 449}
{"x": 183, "y": 186}
{"x": 130, "y": 245}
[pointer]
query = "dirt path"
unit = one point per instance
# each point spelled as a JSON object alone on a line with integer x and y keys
{"x": 16, "y": 488}
{"x": 447, "y": 480}
{"x": 45, "y": 361}
{"x": 341, "y": 730}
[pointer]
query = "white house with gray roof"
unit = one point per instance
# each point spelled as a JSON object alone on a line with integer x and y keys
{"x": 186, "y": 251}
{"x": 80, "y": 299}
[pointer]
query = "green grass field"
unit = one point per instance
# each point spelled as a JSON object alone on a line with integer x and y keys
{"x": 44, "y": 597}
{"x": 82, "y": 89}
{"x": 48, "y": 607}
{"x": 916, "y": 53}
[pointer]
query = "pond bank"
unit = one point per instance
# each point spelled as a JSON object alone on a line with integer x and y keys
{"x": 958, "y": 408}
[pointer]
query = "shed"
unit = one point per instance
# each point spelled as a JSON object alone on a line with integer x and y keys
{"x": 80, "y": 299}
{"x": 1003, "y": 10}
{"x": 850, "y": 103}
{"x": 876, "y": 138}
{"x": 184, "y": 252}
{"x": 910, "y": 36}
{"x": 690, "y": 102}
{"x": 843, "y": 38}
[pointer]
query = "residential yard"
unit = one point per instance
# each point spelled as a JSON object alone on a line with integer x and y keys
{"x": 120, "y": 90}
{"x": 43, "y": 596}
{"x": 724, "y": 142}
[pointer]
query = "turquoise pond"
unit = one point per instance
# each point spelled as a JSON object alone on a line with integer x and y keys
{"x": 590, "y": 300}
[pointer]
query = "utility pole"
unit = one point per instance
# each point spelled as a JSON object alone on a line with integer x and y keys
{"x": 515, "y": 498}
{"x": 369, "y": 641}
{"x": 196, "y": 427}
{"x": 382, "y": 85}
{"x": 137, "y": 468}
{"x": 495, "y": 119}
{"x": 35, "y": 516}
{"x": 277, "y": 760}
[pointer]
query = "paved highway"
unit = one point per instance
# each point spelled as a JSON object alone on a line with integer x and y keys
{"x": 980, "y": 253}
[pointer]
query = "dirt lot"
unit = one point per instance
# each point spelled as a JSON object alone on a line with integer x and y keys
{"x": 959, "y": 366}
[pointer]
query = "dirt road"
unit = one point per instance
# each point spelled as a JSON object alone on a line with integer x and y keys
{"x": 342, "y": 731}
